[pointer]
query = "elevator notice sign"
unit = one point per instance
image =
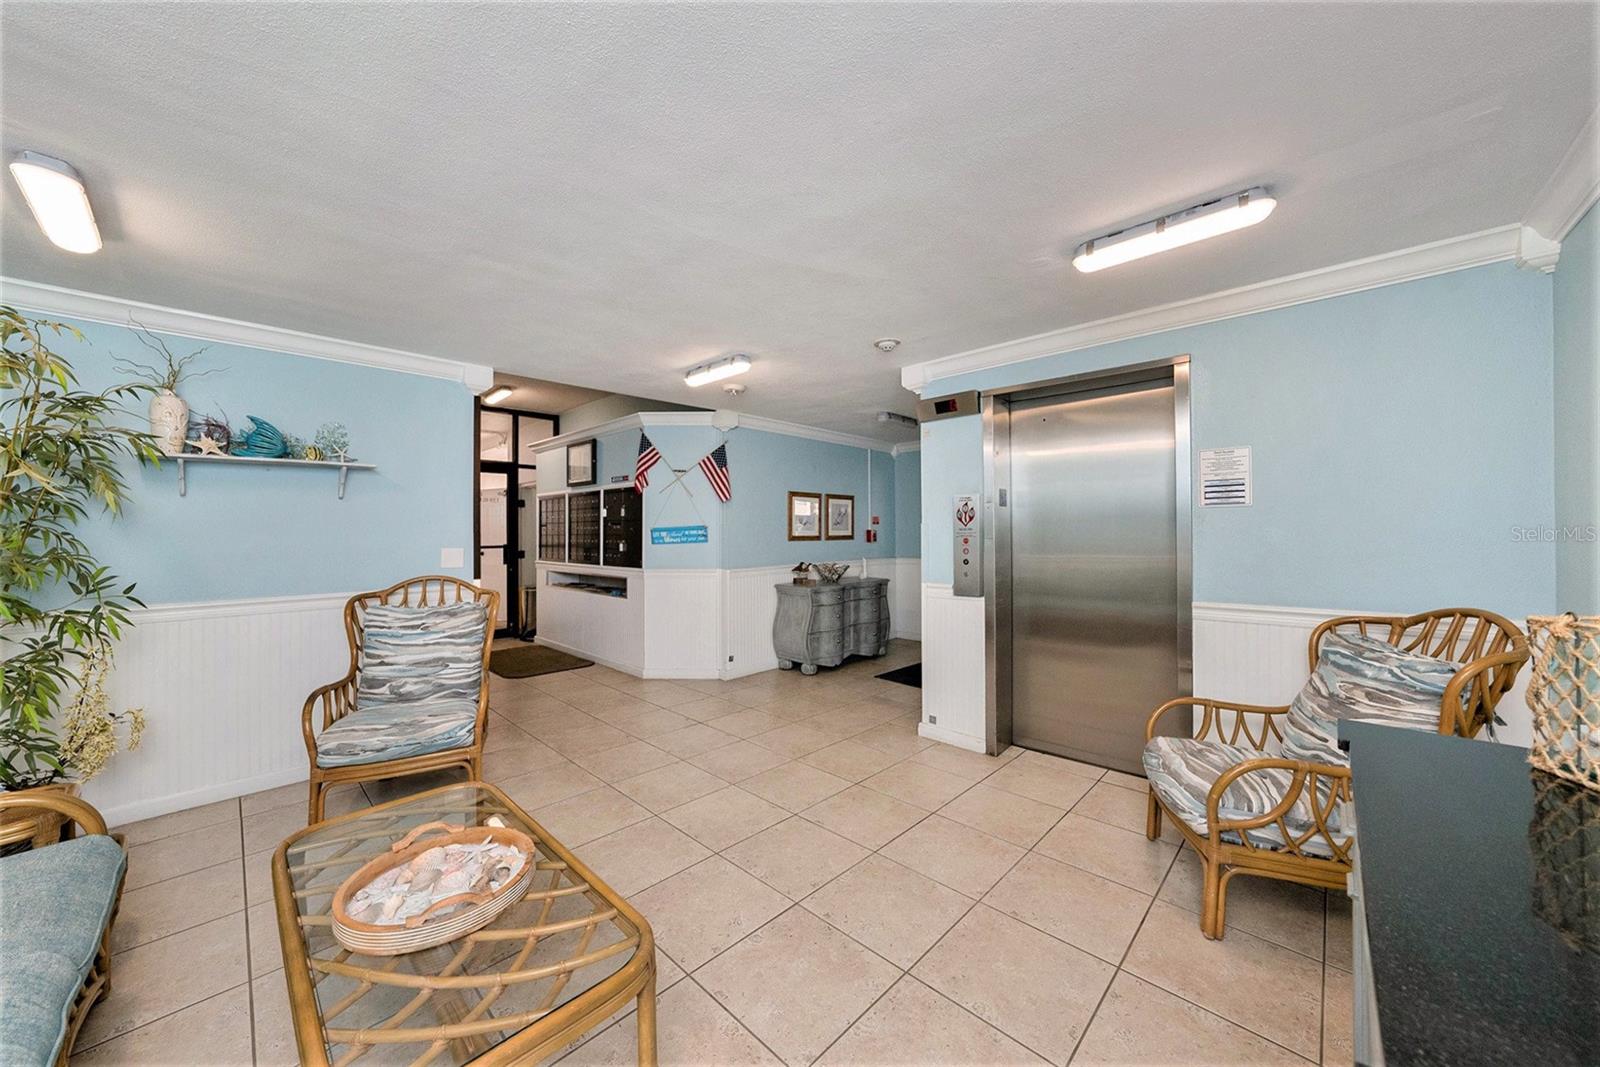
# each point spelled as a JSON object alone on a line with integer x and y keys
{"x": 1225, "y": 477}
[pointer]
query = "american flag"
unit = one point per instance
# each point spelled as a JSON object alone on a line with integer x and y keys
{"x": 648, "y": 457}
{"x": 715, "y": 466}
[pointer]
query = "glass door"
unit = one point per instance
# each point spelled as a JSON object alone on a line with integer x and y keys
{"x": 507, "y": 526}
{"x": 497, "y": 557}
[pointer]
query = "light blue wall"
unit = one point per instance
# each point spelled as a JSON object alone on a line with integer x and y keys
{"x": 908, "y": 505}
{"x": 1401, "y": 438}
{"x": 248, "y": 532}
{"x": 1577, "y": 418}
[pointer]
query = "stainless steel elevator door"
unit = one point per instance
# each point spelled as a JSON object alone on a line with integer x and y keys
{"x": 1094, "y": 590}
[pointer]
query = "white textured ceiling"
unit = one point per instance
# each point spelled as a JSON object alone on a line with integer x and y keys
{"x": 608, "y": 194}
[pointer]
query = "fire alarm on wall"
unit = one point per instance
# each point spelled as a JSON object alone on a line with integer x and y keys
{"x": 872, "y": 535}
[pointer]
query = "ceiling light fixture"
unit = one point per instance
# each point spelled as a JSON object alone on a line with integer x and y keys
{"x": 717, "y": 370}
{"x": 1211, "y": 219}
{"x": 56, "y": 196}
{"x": 896, "y": 417}
{"x": 497, "y": 394}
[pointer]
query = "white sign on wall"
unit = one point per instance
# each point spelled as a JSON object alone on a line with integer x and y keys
{"x": 1225, "y": 477}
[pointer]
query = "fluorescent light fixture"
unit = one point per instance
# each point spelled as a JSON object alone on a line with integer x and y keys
{"x": 1192, "y": 224}
{"x": 717, "y": 370}
{"x": 497, "y": 394}
{"x": 56, "y": 196}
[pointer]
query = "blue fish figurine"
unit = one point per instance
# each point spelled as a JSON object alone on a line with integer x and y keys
{"x": 263, "y": 440}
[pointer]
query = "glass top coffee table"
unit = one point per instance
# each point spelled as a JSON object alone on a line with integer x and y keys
{"x": 550, "y": 968}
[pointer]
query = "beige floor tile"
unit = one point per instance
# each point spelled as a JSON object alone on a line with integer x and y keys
{"x": 502, "y": 734}
{"x": 1171, "y": 952}
{"x": 897, "y": 739}
{"x": 1057, "y": 786}
{"x": 257, "y": 877}
{"x": 212, "y": 1033}
{"x": 266, "y": 952}
{"x": 607, "y": 704}
{"x": 865, "y": 816}
{"x": 274, "y": 1028}
{"x": 1109, "y": 851}
{"x": 914, "y": 1026}
{"x": 624, "y": 761}
{"x": 180, "y": 822}
{"x": 582, "y": 740}
{"x": 1337, "y": 944}
{"x": 641, "y": 855}
{"x": 891, "y": 909}
{"x": 973, "y": 766}
{"x": 708, "y": 709}
{"x": 578, "y": 820}
{"x": 1037, "y": 990}
{"x": 1138, "y": 783}
{"x": 850, "y": 759}
{"x": 538, "y": 788}
{"x": 269, "y": 828}
{"x": 157, "y": 979}
{"x": 663, "y": 693}
{"x": 748, "y": 722}
{"x": 738, "y": 761}
{"x": 653, "y": 722}
{"x": 177, "y": 904}
{"x": 967, "y": 860}
{"x": 1338, "y": 1013}
{"x": 169, "y": 857}
{"x": 692, "y": 1030}
{"x": 1122, "y": 807}
{"x": 1054, "y": 762}
{"x": 795, "y": 739}
{"x": 1141, "y": 1023}
{"x": 386, "y": 789}
{"x": 281, "y": 797}
{"x": 692, "y": 740}
{"x": 797, "y": 984}
{"x": 1007, "y": 816}
{"x": 545, "y": 715}
{"x": 794, "y": 786}
{"x": 511, "y": 761}
{"x": 669, "y": 786}
{"x": 796, "y": 857}
{"x": 1102, "y": 919}
{"x": 726, "y": 817}
{"x": 701, "y": 911}
{"x": 914, "y": 783}
{"x": 1290, "y": 915}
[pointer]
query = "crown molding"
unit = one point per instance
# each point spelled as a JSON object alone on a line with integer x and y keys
{"x": 1438, "y": 257}
{"x": 906, "y": 446}
{"x": 721, "y": 420}
{"x": 116, "y": 311}
{"x": 1574, "y": 187}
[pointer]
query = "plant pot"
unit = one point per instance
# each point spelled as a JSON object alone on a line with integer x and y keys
{"x": 46, "y": 824}
{"x": 169, "y": 421}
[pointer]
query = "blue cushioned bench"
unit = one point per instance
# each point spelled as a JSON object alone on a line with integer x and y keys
{"x": 57, "y": 903}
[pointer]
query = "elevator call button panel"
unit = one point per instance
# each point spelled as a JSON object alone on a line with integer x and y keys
{"x": 968, "y": 546}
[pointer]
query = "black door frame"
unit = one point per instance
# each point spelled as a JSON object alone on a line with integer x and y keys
{"x": 515, "y": 624}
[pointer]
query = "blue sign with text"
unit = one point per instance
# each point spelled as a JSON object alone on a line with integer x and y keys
{"x": 678, "y": 535}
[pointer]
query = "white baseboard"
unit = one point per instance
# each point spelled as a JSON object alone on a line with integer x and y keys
{"x": 951, "y": 737}
{"x": 121, "y": 814}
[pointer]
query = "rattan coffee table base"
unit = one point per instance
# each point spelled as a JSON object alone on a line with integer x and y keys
{"x": 552, "y": 967}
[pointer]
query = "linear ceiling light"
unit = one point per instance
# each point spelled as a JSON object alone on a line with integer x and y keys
{"x": 497, "y": 394}
{"x": 717, "y": 370}
{"x": 1192, "y": 224}
{"x": 57, "y": 198}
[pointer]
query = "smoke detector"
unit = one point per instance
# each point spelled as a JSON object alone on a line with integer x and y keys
{"x": 734, "y": 390}
{"x": 886, "y": 344}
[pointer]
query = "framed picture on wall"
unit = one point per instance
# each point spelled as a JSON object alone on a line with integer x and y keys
{"x": 841, "y": 514}
{"x": 580, "y": 463}
{"x": 805, "y": 516}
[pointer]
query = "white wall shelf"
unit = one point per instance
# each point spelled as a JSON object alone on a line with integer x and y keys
{"x": 263, "y": 461}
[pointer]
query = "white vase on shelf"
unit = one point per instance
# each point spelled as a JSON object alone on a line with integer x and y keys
{"x": 169, "y": 421}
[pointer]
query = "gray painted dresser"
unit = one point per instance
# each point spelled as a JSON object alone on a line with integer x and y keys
{"x": 819, "y": 625}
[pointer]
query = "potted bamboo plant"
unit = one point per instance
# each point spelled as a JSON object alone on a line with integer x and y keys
{"x": 61, "y": 611}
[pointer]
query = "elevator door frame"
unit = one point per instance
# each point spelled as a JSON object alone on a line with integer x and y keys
{"x": 996, "y": 414}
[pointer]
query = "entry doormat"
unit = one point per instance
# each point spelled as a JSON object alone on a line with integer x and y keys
{"x": 911, "y": 675}
{"x": 525, "y": 661}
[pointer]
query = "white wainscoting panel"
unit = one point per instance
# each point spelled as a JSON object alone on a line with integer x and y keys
{"x": 222, "y": 685}
{"x": 952, "y": 667}
{"x": 905, "y": 593}
{"x": 749, "y": 602}
{"x": 682, "y": 623}
{"x": 608, "y": 630}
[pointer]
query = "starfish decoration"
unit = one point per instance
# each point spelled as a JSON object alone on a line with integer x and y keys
{"x": 208, "y": 445}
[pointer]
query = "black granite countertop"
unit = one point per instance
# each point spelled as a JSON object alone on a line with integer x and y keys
{"x": 1481, "y": 889}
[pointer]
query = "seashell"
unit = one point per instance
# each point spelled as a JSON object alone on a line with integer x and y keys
{"x": 312, "y": 453}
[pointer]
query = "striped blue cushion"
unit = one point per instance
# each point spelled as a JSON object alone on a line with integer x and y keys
{"x": 396, "y": 731}
{"x": 414, "y": 656}
{"x": 1359, "y": 677}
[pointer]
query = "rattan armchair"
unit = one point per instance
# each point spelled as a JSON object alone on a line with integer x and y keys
{"x": 338, "y": 699}
{"x": 1312, "y": 849}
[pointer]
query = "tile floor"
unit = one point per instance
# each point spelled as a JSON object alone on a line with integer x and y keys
{"x": 825, "y": 887}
